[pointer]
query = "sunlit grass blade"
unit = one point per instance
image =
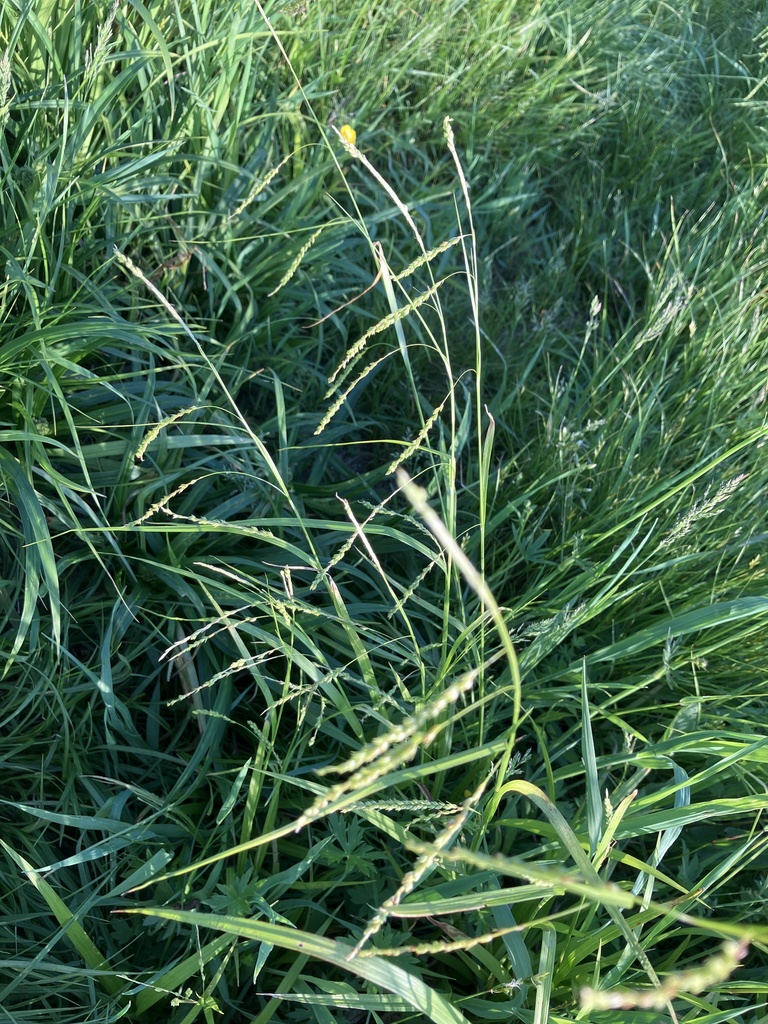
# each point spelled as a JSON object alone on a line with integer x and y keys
{"x": 378, "y": 972}
{"x": 589, "y": 757}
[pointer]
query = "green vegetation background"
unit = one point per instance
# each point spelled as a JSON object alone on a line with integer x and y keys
{"x": 382, "y": 560}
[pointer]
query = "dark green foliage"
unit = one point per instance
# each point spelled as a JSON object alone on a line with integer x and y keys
{"x": 260, "y": 702}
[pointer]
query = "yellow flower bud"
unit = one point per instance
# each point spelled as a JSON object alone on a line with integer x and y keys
{"x": 348, "y": 134}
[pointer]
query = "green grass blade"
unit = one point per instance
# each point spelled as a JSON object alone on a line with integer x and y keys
{"x": 589, "y": 758}
{"x": 372, "y": 969}
{"x": 71, "y": 927}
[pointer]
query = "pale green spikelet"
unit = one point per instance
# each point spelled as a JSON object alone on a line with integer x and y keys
{"x": 411, "y": 590}
{"x": 162, "y": 504}
{"x": 427, "y": 257}
{"x": 705, "y": 508}
{"x": 461, "y": 942}
{"x": 422, "y": 866}
{"x": 717, "y": 969}
{"x": 258, "y": 188}
{"x": 234, "y": 667}
{"x": 150, "y": 436}
{"x": 297, "y": 262}
{"x": 396, "y": 747}
{"x": 343, "y": 397}
{"x": 5, "y": 88}
{"x": 417, "y": 441}
{"x": 94, "y": 60}
{"x": 408, "y": 728}
{"x": 339, "y": 373}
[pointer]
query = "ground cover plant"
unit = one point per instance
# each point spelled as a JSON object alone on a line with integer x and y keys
{"x": 383, "y": 418}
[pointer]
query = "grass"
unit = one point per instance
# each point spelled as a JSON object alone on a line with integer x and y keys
{"x": 382, "y": 563}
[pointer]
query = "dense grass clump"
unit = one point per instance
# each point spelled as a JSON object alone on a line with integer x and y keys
{"x": 382, "y": 555}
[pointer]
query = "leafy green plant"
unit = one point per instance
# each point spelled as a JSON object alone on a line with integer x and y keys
{"x": 383, "y": 592}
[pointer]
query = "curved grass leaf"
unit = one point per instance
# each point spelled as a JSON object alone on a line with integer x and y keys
{"x": 72, "y": 929}
{"x": 373, "y": 969}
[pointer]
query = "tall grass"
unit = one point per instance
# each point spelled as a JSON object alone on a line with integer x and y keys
{"x": 382, "y": 557}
